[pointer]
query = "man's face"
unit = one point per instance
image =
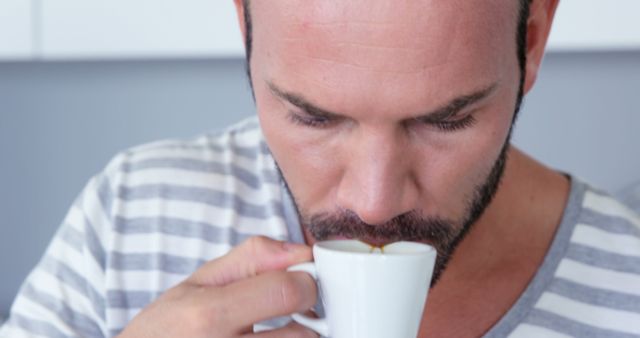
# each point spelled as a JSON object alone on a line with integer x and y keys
{"x": 386, "y": 115}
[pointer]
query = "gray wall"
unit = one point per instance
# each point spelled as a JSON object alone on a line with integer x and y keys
{"x": 583, "y": 116}
{"x": 61, "y": 122}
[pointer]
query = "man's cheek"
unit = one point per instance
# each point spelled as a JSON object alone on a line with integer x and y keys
{"x": 447, "y": 180}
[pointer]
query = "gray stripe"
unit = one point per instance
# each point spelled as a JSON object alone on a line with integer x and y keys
{"x": 251, "y": 152}
{"x": 596, "y": 296}
{"x": 603, "y": 259}
{"x": 270, "y": 176}
{"x": 130, "y": 300}
{"x": 570, "y": 327}
{"x": 115, "y": 332}
{"x": 79, "y": 322}
{"x": 612, "y": 224}
{"x": 77, "y": 241}
{"x": 202, "y": 195}
{"x": 264, "y": 148}
{"x": 105, "y": 195}
{"x": 187, "y": 164}
{"x": 156, "y": 262}
{"x": 94, "y": 245}
{"x": 35, "y": 326}
{"x": 74, "y": 280}
{"x": 72, "y": 237}
{"x": 180, "y": 228}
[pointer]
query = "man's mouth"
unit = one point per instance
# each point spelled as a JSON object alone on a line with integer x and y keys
{"x": 373, "y": 242}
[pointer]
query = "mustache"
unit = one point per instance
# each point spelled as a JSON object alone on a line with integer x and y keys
{"x": 406, "y": 227}
{"x": 437, "y": 232}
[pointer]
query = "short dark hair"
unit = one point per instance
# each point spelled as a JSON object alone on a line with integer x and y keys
{"x": 521, "y": 41}
{"x": 248, "y": 36}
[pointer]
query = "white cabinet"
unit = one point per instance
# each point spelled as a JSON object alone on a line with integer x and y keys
{"x": 104, "y": 29}
{"x": 126, "y": 29}
{"x": 591, "y": 25}
{"x": 16, "y": 38}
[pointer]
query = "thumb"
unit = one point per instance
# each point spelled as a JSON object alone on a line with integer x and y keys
{"x": 251, "y": 258}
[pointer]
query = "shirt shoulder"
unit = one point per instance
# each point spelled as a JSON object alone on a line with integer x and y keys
{"x": 218, "y": 174}
{"x": 241, "y": 145}
{"x": 610, "y": 220}
{"x": 175, "y": 204}
{"x": 592, "y": 286}
{"x": 235, "y": 161}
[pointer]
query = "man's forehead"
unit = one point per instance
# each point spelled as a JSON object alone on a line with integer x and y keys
{"x": 410, "y": 14}
{"x": 369, "y": 54}
{"x": 427, "y": 30}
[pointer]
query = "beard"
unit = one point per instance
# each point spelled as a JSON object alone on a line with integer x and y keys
{"x": 443, "y": 234}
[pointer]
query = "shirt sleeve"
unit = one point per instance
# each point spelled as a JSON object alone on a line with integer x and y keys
{"x": 64, "y": 296}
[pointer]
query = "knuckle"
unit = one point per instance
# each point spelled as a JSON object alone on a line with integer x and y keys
{"x": 257, "y": 249}
{"x": 257, "y": 244}
{"x": 292, "y": 294}
{"x": 202, "y": 316}
{"x": 195, "y": 318}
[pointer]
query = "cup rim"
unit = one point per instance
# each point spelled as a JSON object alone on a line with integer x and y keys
{"x": 421, "y": 249}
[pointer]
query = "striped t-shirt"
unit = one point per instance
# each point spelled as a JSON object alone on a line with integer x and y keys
{"x": 159, "y": 211}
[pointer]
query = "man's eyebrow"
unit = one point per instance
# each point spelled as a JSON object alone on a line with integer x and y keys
{"x": 447, "y": 111}
{"x": 456, "y": 105}
{"x": 300, "y": 102}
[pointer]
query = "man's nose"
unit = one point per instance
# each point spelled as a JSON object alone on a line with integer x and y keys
{"x": 379, "y": 183}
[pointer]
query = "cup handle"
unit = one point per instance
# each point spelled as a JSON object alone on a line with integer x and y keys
{"x": 318, "y": 325}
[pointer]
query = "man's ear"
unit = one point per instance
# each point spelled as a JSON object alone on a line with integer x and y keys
{"x": 241, "y": 18}
{"x": 541, "y": 16}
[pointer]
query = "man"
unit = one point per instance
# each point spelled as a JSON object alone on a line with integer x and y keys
{"x": 379, "y": 120}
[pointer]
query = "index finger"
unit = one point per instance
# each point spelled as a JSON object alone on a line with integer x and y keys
{"x": 253, "y": 257}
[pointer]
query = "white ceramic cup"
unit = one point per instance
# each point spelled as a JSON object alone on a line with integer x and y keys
{"x": 367, "y": 292}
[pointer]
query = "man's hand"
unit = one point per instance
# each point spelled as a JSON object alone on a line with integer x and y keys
{"x": 226, "y": 296}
